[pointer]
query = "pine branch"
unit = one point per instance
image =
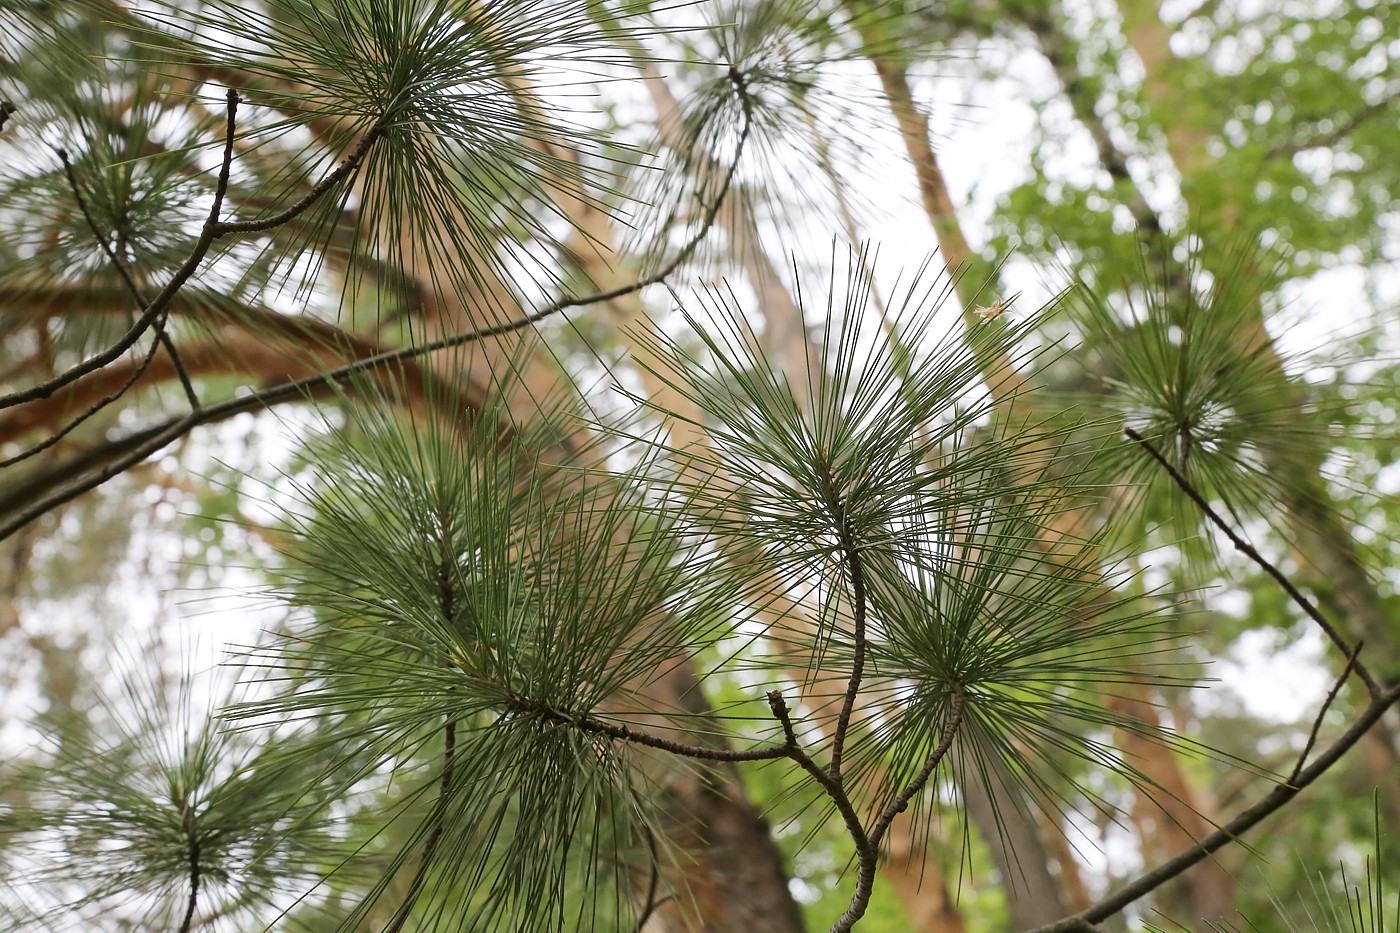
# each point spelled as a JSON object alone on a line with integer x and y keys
{"x": 156, "y": 307}
{"x": 859, "y": 608}
{"x": 623, "y": 733}
{"x": 213, "y": 230}
{"x": 437, "y": 825}
{"x": 1244, "y": 547}
{"x": 901, "y": 801}
{"x": 157, "y": 438}
{"x": 1281, "y": 794}
{"x": 192, "y": 840}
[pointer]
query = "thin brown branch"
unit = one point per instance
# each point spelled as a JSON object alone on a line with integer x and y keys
{"x": 866, "y": 854}
{"x": 653, "y": 884}
{"x": 438, "y": 823}
{"x": 182, "y": 373}
{"x": 901, "y": 801}
{"x": 848, "y": 703}
{"x": 188, "y": 819}
{"x": 117, "y": 262}
{"x": 1244, "y": 547}
{"x": 347, "y": 166}
{"x": 157, "y": 305}
{"x": 867, "y": 857}
{"x": 624, "y": 733}
{"x": 162, "y": 338}
{"x": 1280, "y": 795}
{"x": 1322, "y": 713}
{"x": 137, "y": 372}
{"x": 213, "y": 230}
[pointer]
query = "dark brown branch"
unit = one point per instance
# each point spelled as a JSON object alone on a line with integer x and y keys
{"x": 188, "y": 819}
{"x": 213, "y": 230}
{"x": 346, "y": 167}
{"x": 7, "y": 110}
{"x": 137, "y": 372}
{"x": 1322, "y": 713}
{"x": 1244, "y": 547}
{"x": 866, "y": 855}
{"x": 117, "y": 262}
{"x": 157, "y": 305}
{"x": 1280, "y": 795}
{"x": 162, "y": 338}
{"x": 623, "y": 733}
{"x": 652, "y": 903}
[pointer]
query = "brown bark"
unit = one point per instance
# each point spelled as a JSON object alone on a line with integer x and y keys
{"x": 1171, "y": 820}
{"x": 1067, "y": 870}
{"x": 731, "y": 875}
{"x": 253, "y": 345}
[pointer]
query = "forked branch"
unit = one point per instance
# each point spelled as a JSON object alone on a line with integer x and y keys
{"x": 1244, "y": 547}
{"x": 1280, "y": 795}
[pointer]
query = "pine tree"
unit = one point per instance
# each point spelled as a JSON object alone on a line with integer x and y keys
{"x": 620, "y": 483}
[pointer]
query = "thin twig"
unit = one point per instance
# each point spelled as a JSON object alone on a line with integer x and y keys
{"x": 92, "y": 409}
{"x": 420, "y": 876}
{"x": 627, "y": 734}
{"x": 833, "y": 788}
{"x": 124, "y": 271}
{"x": 188, "y": 819}
{"x": 1317, "y": 722}
{"x": 1279, "y": 796}
{"x": 867, "y": 856}
{"x": 901, "y": 801}
{"x": 159, "y": 436}
{"x": 652, "y": 903}
{"x": 117, "y": 262}
{"x": 778, "y": 705}
{"x": 865, "y": 875}
{"x": 182, "y": 374}
{"x": 848, "y": 703}
{"x": 1244, "y": 547}
{"x": 157, "y": 305}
